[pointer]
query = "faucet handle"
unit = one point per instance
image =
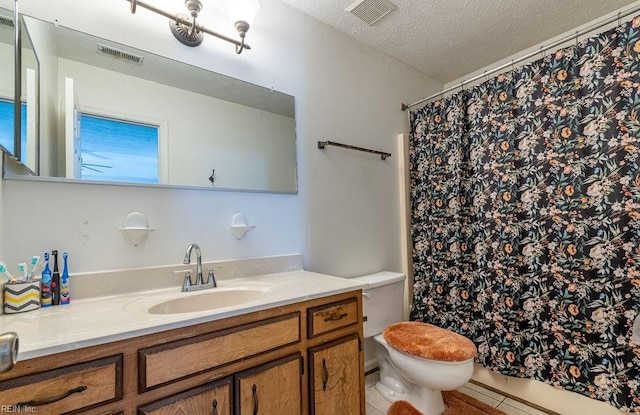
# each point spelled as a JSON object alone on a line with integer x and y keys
{"x": 211, "y": 278}
{"x": 186, "y": 284}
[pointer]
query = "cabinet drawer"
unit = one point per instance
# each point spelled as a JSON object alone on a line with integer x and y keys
{"x": 213, "y": 398}
{"x": 332, "y": 316}
{"x": 67, "y": 390}
{"x": 176, "y": 360}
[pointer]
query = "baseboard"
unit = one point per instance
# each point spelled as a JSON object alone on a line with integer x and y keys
{"x": 370, "y": 366}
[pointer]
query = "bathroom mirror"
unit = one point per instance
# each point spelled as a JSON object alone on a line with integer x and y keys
{"x": 113, "y": 113}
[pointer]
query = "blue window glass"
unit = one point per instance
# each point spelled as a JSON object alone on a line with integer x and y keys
{"x": 6, "y": 127}
{"x": 118, "y": 151}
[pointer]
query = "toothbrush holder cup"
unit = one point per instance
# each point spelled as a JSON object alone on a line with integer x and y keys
{"x": 21, "y": 296}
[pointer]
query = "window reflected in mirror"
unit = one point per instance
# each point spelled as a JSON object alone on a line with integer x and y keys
{"x": 7, "y": 130}
{"x": 118, "y": 150}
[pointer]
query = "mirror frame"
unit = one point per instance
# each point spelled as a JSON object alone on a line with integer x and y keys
{"x": 14, "y": 164}
{"x": 17, "y": 83}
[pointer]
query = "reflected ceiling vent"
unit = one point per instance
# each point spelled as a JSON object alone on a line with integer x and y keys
{"x": 6, "y": 22}
{"x": 371, "y": 10}
{"x": 120, "y": 54}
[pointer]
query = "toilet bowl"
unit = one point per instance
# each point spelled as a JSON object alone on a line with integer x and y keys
{"x": 418, "y": 380}
{"x": 417, "y": 361}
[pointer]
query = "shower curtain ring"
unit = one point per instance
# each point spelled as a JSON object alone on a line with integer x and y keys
{"x": 619, "y": 14}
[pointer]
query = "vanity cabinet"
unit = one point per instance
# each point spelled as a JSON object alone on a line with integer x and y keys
{"x": 302, "y": 358}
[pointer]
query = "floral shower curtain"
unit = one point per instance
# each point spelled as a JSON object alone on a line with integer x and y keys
{"x": 526, "y": 217}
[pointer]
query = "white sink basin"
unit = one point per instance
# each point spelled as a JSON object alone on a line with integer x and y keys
{"x": 225, "y": 295}
{"x": 209, "y": 300}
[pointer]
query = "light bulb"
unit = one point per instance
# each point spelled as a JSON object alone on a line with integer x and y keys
{"x": 242, "y": 10}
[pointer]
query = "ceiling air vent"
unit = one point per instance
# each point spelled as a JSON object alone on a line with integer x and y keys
{"x": 5, "y": 21}
{"x": 120, "y": 54}
{"x": 371, "y": 10}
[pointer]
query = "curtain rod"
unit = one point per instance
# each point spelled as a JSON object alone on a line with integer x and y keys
{"x": 543, "y": 48}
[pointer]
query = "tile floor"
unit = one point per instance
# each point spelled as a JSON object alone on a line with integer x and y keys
{"x": 377, "y": 405}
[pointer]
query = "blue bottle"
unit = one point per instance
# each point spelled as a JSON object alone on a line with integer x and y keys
{"x": 46, "y": 300}
{"x": 65, "y": 294}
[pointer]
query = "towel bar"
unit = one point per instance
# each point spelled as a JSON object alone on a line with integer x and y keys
{"x": 322, "y": 144}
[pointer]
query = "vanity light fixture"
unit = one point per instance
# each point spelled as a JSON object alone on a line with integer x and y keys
{"x": 190, "y": 32}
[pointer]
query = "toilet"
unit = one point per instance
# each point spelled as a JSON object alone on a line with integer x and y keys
{"x": 417, "y": 360}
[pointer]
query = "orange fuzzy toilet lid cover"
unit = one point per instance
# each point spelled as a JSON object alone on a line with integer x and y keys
{"x": 429, "y": 342}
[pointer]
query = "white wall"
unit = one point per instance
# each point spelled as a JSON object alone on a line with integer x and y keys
{"x": 345, "y": 217}
{"x": 6, "y": 71}
{"x": 353, "y": 198}
{"x": 83, "y": 220}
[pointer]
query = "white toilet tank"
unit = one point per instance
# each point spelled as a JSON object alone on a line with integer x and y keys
{"x": 383, "y": 300}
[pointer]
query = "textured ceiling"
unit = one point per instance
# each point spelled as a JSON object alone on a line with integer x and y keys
{"x": 448, "y": 39}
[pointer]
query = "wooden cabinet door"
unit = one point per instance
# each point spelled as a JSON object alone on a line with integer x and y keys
{"x": 335, "y": 377}
{"x": 211, "y": 399}
{"x": 274, "y": 388}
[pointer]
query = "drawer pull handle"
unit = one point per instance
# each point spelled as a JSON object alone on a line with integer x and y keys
{"x": 48, "y": 401}
{"x": 325, "y": 375}
{"x": 215, "y": 407}
{"x": 336, "y": 318}
{"x": 255, "y": 399}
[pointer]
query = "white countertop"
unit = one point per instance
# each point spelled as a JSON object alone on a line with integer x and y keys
{"x": 101, "y": 320}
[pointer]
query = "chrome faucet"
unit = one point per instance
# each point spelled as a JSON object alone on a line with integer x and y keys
{"x": 187, "y": 260}
{"x": 200, "y": 284}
